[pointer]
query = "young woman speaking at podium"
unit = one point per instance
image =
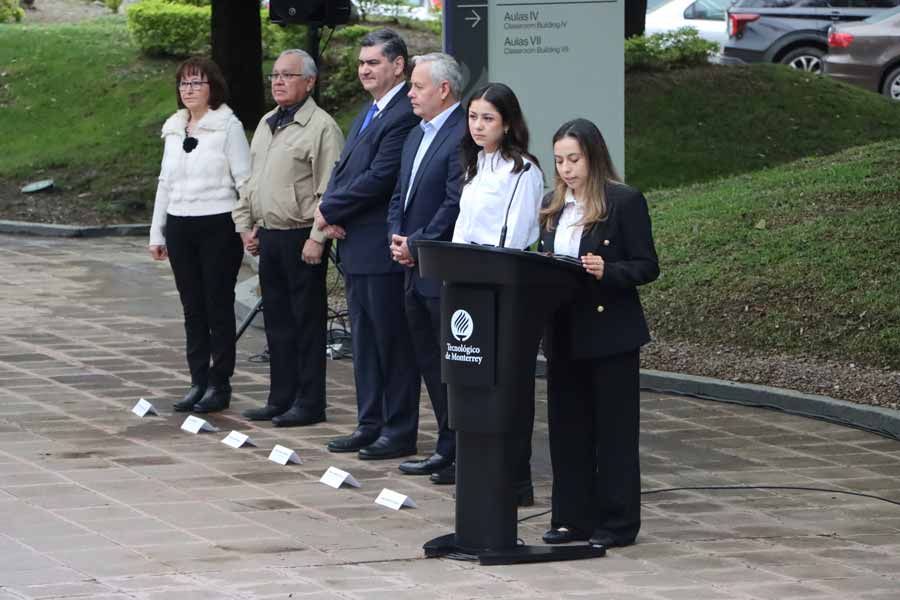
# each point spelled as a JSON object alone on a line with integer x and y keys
{"x": 593, "y": 343}
{"x": 500, "y": 200}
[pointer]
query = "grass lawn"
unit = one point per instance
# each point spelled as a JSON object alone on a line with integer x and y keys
{"x": 81, "y": 105}
{"x": 701, "y": 124}
{"x": 803, "y": 257}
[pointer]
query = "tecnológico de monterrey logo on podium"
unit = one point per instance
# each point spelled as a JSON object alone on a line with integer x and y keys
{"x": 461, "y": 325}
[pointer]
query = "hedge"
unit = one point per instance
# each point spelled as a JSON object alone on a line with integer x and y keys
{"x": 181, "y": 28}
{"x": 664, "y": 51}
{"x": 10, "y": 11}
{"x": 165, "y": 28}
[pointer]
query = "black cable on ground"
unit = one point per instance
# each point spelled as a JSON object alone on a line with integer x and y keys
{"x": 772, "y": 487}
{"x": 744, "y": 487}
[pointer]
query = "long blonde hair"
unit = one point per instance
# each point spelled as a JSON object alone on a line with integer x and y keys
{"x": 600, "y": 172}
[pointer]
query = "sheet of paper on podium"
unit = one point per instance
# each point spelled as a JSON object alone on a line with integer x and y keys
{"x": 335, "y": 478}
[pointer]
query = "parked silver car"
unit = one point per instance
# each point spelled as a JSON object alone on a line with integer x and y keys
{"x": 867, "y": 53}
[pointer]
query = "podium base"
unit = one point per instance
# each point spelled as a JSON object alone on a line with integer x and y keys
{"x": 445, "y": 546}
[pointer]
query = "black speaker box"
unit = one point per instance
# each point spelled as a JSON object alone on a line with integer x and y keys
{"x": 310, "y": 12}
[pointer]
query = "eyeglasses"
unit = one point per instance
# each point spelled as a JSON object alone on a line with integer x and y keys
{"x": 285, "y": 76}
{"x": 193, "y": 85}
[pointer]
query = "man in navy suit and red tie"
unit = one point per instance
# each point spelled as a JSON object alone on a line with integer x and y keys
{"x": 424, "y": 207}
{"x": 354, "y": 211}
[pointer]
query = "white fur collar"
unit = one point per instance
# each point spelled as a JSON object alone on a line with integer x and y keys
{"x": 213, "y": 120}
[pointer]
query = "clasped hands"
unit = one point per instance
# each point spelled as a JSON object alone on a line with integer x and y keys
{"x": 334, "y": 232}
{"x": 400, "y": 251}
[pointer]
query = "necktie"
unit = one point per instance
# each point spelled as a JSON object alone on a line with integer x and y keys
{"x": 369, "y": 116}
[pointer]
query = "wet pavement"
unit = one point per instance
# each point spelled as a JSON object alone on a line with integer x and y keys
{"x": 96, "y": 502}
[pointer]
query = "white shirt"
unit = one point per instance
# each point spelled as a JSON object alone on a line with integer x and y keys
{"x": 386, "y": 99}
{"x": 567, "y": 239}
{"x": 430, "y": 129}
{"x": 483, "y": 203}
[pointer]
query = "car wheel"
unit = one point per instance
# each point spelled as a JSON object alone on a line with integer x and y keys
{"x": 891, "y": 87}
{"x": 807, "y": 59}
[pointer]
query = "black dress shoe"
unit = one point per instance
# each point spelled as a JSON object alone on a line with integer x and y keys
{"x": 191, "y": 398}
{"x": 353, "y": 442}
{"x": 216, "y": 398}
{"x": 432, "y": 464}
{"x": 604, "y": 538}
{"x": 446, "y": 476}
{"x": 264, "y": 413}
{"x": 564, "y": 535}
{"x": 297, "y": 417}
{"x": 384, "y": 448}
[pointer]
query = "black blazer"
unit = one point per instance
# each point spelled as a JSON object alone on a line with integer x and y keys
{"x": 362, "y": 183}
{"x": 433, "y": 195}
{"x": 605, "y": 317}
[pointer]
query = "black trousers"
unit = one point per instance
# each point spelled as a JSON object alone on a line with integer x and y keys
{"x": 424, "y": 317}
{"x": 295, "y": 310}
{"x": 594, "y": 416}
{"x": 205, "y": 254}
{"x": 384, "y": 368}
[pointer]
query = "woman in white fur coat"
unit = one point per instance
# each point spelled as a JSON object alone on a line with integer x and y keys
{"x": 205, "y": 163}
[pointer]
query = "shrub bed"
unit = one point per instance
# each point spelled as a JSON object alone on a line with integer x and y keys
{"x": 664, "y": 51}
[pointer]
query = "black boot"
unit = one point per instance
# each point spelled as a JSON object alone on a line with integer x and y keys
{"x": 191, "y": 398}
{"x": 216, "y": 398}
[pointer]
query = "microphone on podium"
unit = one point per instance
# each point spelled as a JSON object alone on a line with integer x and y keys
{"x": 502, "y": 243}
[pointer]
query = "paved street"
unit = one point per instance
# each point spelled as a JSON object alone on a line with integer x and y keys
{"x": 98, "y": 503}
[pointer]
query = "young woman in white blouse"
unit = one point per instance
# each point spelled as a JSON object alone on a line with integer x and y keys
{"x": 205, "y": 162}
{"x": 500, "y": 177}
{"x": 499, "y": 174}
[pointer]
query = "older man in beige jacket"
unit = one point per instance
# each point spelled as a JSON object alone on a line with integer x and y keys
{"x": 292, "y": 154}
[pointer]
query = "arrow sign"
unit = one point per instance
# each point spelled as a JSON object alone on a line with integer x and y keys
{"x": 475, "y": 18}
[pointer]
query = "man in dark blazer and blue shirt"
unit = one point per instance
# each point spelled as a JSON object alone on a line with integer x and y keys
{"x": 424, "y": 207}
{"x": 354, "y": 210}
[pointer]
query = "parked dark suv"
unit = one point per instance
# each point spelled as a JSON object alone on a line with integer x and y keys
{"x": 791, "y": 32}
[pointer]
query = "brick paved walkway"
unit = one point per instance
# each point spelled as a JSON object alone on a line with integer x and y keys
{"x": 98, "y": 503}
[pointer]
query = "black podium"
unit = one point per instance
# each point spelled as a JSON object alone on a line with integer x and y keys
{"x": 495, "y": 303}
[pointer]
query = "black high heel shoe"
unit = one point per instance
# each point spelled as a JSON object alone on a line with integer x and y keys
{"x": 190, "y": 399}
{"x": 216, "y": 398}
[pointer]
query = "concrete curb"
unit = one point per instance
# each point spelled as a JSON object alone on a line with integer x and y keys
{"x": 71, "y": 231}
{"x": 880, "y": 420}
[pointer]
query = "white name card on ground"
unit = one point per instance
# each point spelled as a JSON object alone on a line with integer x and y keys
{"x": 236, "y": 439}
{"x": 394, "y": 500}
{"x": 335, "y": 477}
{"x": 283, "y": 456}
{"x": 195, "y": 425}
{"x": 144, "y": 408}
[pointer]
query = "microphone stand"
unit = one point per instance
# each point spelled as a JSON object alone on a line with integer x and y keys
{"x": 512, "y": 196}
